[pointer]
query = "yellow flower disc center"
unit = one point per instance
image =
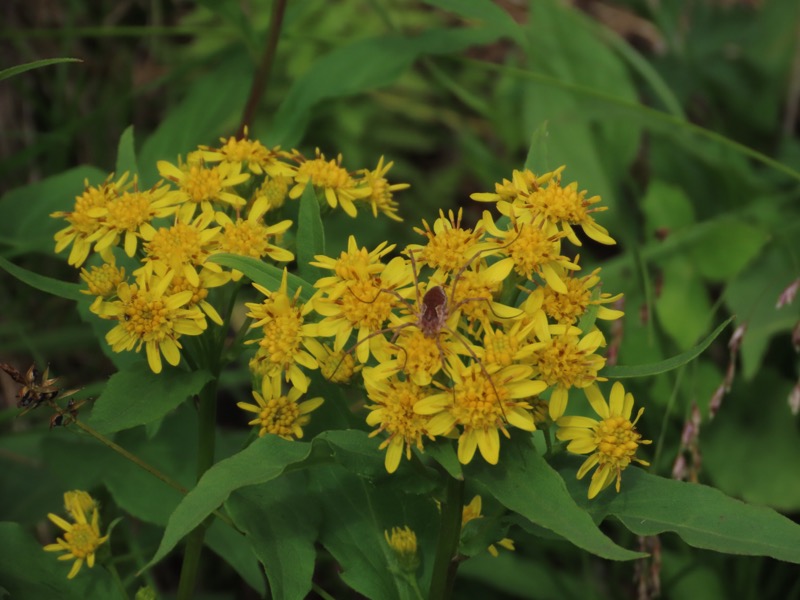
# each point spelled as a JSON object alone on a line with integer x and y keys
{"x": 279, "y": 416}
{"x": 616, "y": 441}
{"x": 177, "y": 245}
{"x": 478, "y": 403}
{"x": 145, "y": 317}
{"x": 561, "y": 362}
{"x": 530, "y": 249}
{"x": 448, "y": 249}
{"x": 500, "y": 348}
{"x": 324, "y": 174}
{"x": 202, "y": 184}
{"x": 366, "y": 305}
{"x": 82, "y": 540}
{"x": 245, "y": 238}
{"x": 561, "y": 204}
{"x": 567, "y": 308}
{"x": 129, "y": 211}
{"x": 420, "y": 354}
{"x": 282, "y": 337}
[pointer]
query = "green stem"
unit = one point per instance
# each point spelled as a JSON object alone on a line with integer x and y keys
{"x": 446, "y": 563}
{"x": 261, "y": 78}
{"x": 115, "y": 576}
{"x": 207, "y": 416}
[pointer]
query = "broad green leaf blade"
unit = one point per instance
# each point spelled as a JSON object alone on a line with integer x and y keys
{"x": 137, "y": 396}
{"x": 621, "y": 372}
{"x": 26, "y": 571}
{"x": 310, "y": 234}
{"x": 126, "y": 153}
{"x": 264, "y": 274}
{"x": 281, "y": 522}
{"x": 702, "y": 516}
{"x": 355, "y": 516}
{"x": 62, "y": 289}
{"x": 262, "y": 461}
{"x": 488, "y": 14}
{"x": 235, "y": 549}
{"x": 526, "y": 484}
{"x": 27, "y": 225}
{"x": 16, "y": 70}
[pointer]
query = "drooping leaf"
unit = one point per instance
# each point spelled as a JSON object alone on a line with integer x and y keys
{"x": 526, "y": 484}
{"x": 235, "y": 549}
{"x": 281, "y": 520}
{"x": 624, "y": 371}
{"x": 702, "y": 516}
{"x": 17, "y": 69}
{"x": 137, "y": 396}
{"x": 62, "y": 289}
{"x": 264, "y": 274}
{"x": 310, "y": 235}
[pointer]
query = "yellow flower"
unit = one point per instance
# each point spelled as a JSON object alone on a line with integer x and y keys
{"x": 563, "y": 359}
{"x": 81, "y": 537}
{"x": 85, "y": 221}
{"x": 148, "y": 316}
{"x": 381, "y": 196}
{"x": 521, "y": 185}
{"x": 252, "y": 237}
{"x": 258, "y": 158}
{"x": 182, "y": 248}
{"x": 274, "y": 190}
{"x": 481, "y": 402}
{"x": 569, "y": 306}
{"x": 286, "y": 339}
{"x": 102, "y": 281}
{"x": 403, "y": 542}
{"x": 337, "y": 184}
{"x": 535, "y": 249}
{"x": 338, "y": 367}
{"x": 393, "y": 412}
{"x": 354, "y": 264}
{"x": 364, "y": 306}
{"x": 201, "y": 186}
{"x": 449, "y": 246}
{"x": 277, "y": 413}
{"x": 128, "y": 216}
{"x": 471, "y": 512}
{"x": 208, "y": 279}
{"x": 474, "y": 293}
{"x": 612, "y": 441}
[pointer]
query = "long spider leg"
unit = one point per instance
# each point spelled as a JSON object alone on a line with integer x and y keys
{"x": 366, "y": 339}
{"x": 481, "y": 366}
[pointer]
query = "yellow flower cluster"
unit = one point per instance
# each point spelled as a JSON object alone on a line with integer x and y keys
{"x": 81, "y": 537}
{"x": 471, "y": 330}
{"x": 225, "y": 199}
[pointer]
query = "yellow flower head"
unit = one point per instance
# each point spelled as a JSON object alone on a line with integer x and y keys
{"x": 86, "y": 220}
{"x": 381, "y": 197}
{"x": 287, "y": 338}
{"x": 148, "y": 315}
{"x": 277, "y": 413}
{"x": 252, "y": 153}
{"x": 481, "y": 403}
{"x": 208, "y": 279}
{"x": 393, "y": 412}
{"x": 339, "y": 187}
{"x": 567, "y": 307}
{"x": 102, "y": 281}
{"x": 449, "y": 246}
{"x": 338, "y": 367}
{"x": 563, "y": 359}
{"x": 404, "y": 543}
{"x": 202, "y": 186}
{"x": 81, "y": 537}
{"x": 354, "y": 264}
{"x": 612, "y": 440}
{"x": 127, "y": 217}
{"x": 521, "y": 185}
{"x": 274, "y": 190}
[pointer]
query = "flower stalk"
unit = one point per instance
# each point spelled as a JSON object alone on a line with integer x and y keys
{"x": 446, "y": 562}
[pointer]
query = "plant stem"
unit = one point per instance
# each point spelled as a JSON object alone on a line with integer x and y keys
{"x": 207, "y": 416}
{"x": 261, "y": 78}
{"x": 446, "y": 562}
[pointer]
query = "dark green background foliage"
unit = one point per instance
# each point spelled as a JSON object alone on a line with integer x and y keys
{"x": 684, "y": 119}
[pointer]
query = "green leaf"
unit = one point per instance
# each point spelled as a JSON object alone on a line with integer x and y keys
{"x": 625, "y": 371}
{"x": 27, "y": 225}
{"x": 26, "y": 571}
{"x": 62, "y": 289}
{"x": 234, "y": 548}
{"x": 355, "y": 515}
{"x": 137, "y": 396}
{"x": 310, "y": 234}
{"x": 264, "y": 274}
{"x": 16, "y": 70}
{"x": 728, "y": 248}
{"x": 489, "y": 14}
{"x": 526, "y": 484}
{"x": 683, "y": 307}
{"x": 281, "y": 521}
{"x": 126, "y": 153}
{"x": 702, "y": 516}
{"x": 264, "y": 460}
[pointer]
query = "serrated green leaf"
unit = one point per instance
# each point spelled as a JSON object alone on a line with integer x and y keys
{"x": 126, "y": 153}
{"x": 702, "y": 516}
{"x": 281, "y": 521}
{"x": 137, "y": 396}
{"x": 17, "y": 69}
{"x": 264, "y": 274}
{"x": 310, "y": 235}
{"x": 625, "y": 371}
{"x": 526, "y": 484}
{"x": 62, "y": 289}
